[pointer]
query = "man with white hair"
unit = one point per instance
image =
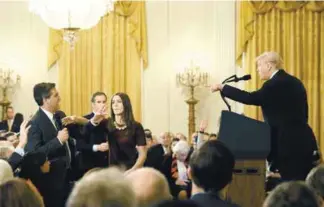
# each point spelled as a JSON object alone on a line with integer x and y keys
{"x": 150, "y": 186}
{"x": 107, "y": 187}
{"x": 283, "y": 101}
{"x": 179, "y": 167}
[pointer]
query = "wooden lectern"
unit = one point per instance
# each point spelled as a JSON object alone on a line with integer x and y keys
{"x": 249, "y": 141}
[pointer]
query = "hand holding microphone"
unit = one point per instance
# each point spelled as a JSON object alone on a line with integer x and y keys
{"x": 63, "y": 135}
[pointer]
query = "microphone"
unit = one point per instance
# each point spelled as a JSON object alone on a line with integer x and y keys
{"x": 233, "y": 78}
{"x": 245, "y": 78}
{"x": 236, "y": 79}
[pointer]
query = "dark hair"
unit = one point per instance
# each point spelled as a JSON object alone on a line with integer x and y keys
{"x": 176, "y": 203}
{"x": 98, "y": 93}
{"x": 18, "y": 119}
{"x": 128, "y": 110}
{"x": 148, "y": 134}
{"x": 175, "y": 139}
{"x": 212, "y": 166}
{"x": 9, "y": 134}
{"x": 293, "y": 193}
{"x": 41, "y": 91}
{"x": 17, "y": 193}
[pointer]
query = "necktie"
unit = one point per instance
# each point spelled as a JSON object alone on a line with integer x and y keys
{"x": 66, "y": 145}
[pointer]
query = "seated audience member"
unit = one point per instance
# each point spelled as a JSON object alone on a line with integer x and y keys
{"x": 315, "y": 180}
{"x": 173, "y": 143}
{"x": 147, "y": 131}
{"x": 150, "y": 186}
{"x": 180, "y": 136}
{"x": 5, "y": 171}
{"x": 6, "y": 149}
{"x": 152, "y": 138}
{"x": 12, "y": 138}
{"x": 18, "y": 120}
{"x": 292, "y": 194}
{"x": 211, "y": 168}
{"x": 8, "y": 123}
{"x": 149, "y": 139}
{"x": 179, "y": 167}
{"x": 18, "y": 193}
{"x": 107, "y": 187}
{"x": 177, "y": 203}
{"x": 157, "y": 154}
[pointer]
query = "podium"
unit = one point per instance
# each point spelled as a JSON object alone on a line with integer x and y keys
{"x": 249, "y": 141}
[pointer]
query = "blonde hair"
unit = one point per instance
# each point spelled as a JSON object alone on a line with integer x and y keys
{"x": 107, "y": 187}
{"x": 5, "y": 171}
{"x": 271, "y": 57}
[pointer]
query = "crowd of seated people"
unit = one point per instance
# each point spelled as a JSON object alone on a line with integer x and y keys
{"x": 176, "y": 173}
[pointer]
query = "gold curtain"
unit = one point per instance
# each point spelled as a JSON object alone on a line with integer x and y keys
{"x": 106, "y": 58}
{"x": 296, "y": 31}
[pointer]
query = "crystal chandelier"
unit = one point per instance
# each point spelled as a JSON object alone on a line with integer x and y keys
{"x": 71, "y": 16}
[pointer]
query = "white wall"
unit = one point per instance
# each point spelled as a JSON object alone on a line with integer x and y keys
{"x": 23, "y": 48}
{"x": 179, "y": 31}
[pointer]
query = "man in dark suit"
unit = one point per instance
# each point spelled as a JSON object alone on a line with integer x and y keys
{"x": 8, "y": 124}
{"x": 94, "y": 146}
{"x": 46, "y": 136}
{"x": 156, "y": 154}
{"x": 283, "y": 101}
{"x": 211, "y": 170}
{"x": 159, "y": 157}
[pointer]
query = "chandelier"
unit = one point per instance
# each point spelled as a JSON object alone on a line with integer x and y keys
{"x": 71, "y": 16}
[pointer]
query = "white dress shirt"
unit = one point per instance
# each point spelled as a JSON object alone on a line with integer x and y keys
{"x": 274, "y": 73}
{"x": 182, "y": 170}
{"x": 10, "y": 122}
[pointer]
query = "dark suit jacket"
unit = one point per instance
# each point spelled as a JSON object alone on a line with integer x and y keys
{"x": 211, "y": 200}
{"x": 42, "y": 137}
{"x": 283, "y": 101}
{"x": 15, "y": 160}
{"x": 155, "y": 157}
{"x": 161, "y": 162}
{"x": 91, "y": 159}
{"x": 4, "y": 126}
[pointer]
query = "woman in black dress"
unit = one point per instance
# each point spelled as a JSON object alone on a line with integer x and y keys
{"x": 126, "y": 137}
